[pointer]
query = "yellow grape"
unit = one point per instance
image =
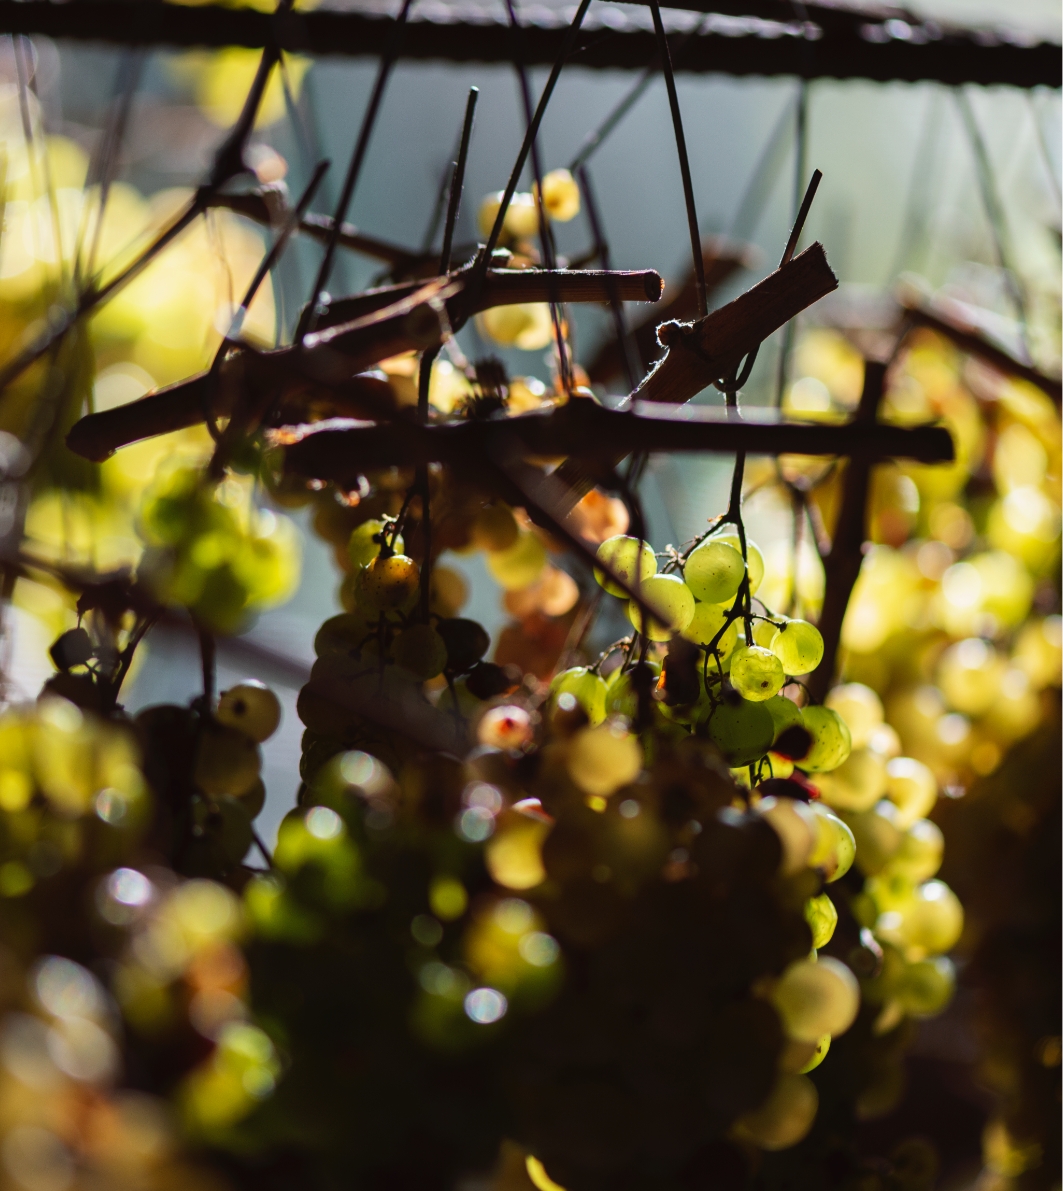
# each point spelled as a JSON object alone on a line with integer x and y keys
{"x": 388, "y": 583}
{"x": 969, "y": 674}
{"x": 834, "y": 848}
{"x": 877, "y": 836}
{"x": 742, "y": 731}
{"x": 920, "y": 852}
{"x": 859, "y": 707}
{"x": 857, "y": 784}
{"x": 495, "y": 528}
{"x": 794, "y": 824}
{"x": 830, "y": 739}
{"x": 561, "y": 198}
{"x": 929, "y": 924}
{"x": 421, "y": 650}
{"x": 714, "y": 571}
{"x": 630, "y": 560}
{"x": 587, "y": 688}
{"x": 818, "y": 1055}
{"x": 785, "y": 1117}
{"x": 912, "y": 788}
{"x": 707, "y": 621}
{"x": 364, "y": 544}
{"x": 252, "y": 708}
{"x": 518, "y": 565}
{"x": 816, "y": 998}
{"x": 756, "y": 673}
{"x": 926, "y": 986}
{"x": 798, "y": 645}
{"x": 754, "y": 558}
{"x": 822, "y": 917}
{"x": 670, "y": 599}
{"x": 602, "y": 759}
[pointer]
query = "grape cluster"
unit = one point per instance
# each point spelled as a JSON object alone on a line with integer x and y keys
{"x": 211, "y": 551}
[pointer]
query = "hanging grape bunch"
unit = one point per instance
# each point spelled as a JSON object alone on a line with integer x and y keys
{"x": 540, "y": 915}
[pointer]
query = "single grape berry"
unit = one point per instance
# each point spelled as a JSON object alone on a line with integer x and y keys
{"x": 798, "y": 645}
{"x": 756, "y": 673}
{"x": 822, "y": 917}
{"x": 227, "y": 762}
{"x": 587, "y": 688}
{"x": 507, "y": 727}
{"x": 835, "y": 848}
{"x": 754, "y": 558}
{"x": 560, "y": 195}
{"x": 741, "y": 730}
{"x": 920, "y": 853}
{"x": 814, "y": 999}
{"x": 388, "y": 583}
{"x": 365, "y": 542}
{"x": 784, "y": 713}
{"x": 707, "y": 621}
{"x": 466, "y": 643}
{"x": 714, "y": 571}
{"x": 630, "y": 560}
{"x": 670, "y": 599}
{"x": 495, "y": 528}
{"x": 250, "y": 707}
{"x": 421, "y": 650}
{"x": 831, "y": 742}
{"x": 926, "y": 986}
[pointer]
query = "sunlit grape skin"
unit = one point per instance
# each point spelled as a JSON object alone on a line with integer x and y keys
{"x": 389, "y": 582}
{"x": 814, "y": 999}
{"x": 742, "y": 731}
{"x": 587, "y": 688}
{"x": 714, "y": 571}
{"x": 798, "y": 645}
{"x": 831, "y": 742}
{"x": 822, "y": 917}
{"x": 756, "y": 673}
{"x": 250, "y": 707}
{"x": 708, "y": 621}
{"x": 630, "y": 560}
{"x": 670, "y": 597}
{"x": 754, "y": 558}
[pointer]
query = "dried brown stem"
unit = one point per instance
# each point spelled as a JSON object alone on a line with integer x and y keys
{"x": 713, "y": 347}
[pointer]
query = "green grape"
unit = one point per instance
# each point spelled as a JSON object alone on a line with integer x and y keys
{"x": 519, "y": 565}
{"x": 785, "y": 1117}
{"x": 587, "y": 688}
{"x": 495, "y": 528}
{"x": 830, "y": 739}
{"x": 857, "y": 784}
{"x": 920, "y": 852}
{"x": 765, "y": 630}
{"x": 622, "y": 698}
{"x": 227, "y": 762}
{"x": 784, "y": 713}
{"x": 388, "y": 583}
{"x": 818, "y": 1055}
{"x": 254, "y": 800}
{"x": 629, "y": 559}
{"x": 364, "y": 544}
{"x": 252, "y": 708}
{"x": 929, "y": 924}
{"x": 714, "y": 571}
{"x": 742, "y": 731}
{"x": 817, "y": 998}
{"x": 707, "y": 621}
{"x": 756, "y": 673}
{"x": 794, "y": 824}
{"x": 877, "y": 836}
{"x": 754, "y": 558}
{"x": 798, "y": 645}
{"x": 601, "y": 759}
{"x": 860, "y": 707}
{"x": 926, "y": 986}
{"x": 835, "y": 848}
{"x": 822, "y": 917}
{"x": 670, "y": 598}
{"x": 421, "y": 650}
{"x": 912, "y": 788}
{"x": 343, "y": 634}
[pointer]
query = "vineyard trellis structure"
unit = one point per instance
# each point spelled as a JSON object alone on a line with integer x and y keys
{"x": 337, "y": 341}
